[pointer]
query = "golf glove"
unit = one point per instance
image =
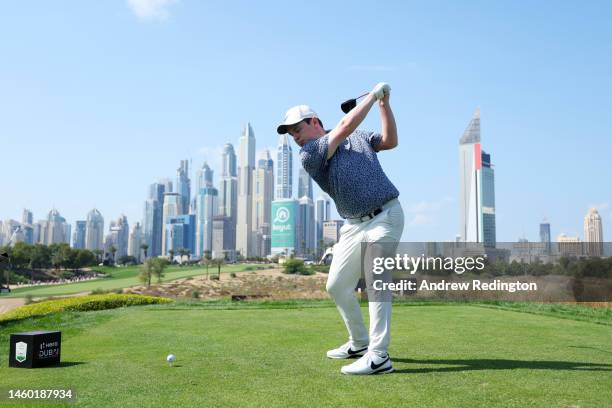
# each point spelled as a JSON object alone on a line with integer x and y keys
{"x": 381, "y": 89}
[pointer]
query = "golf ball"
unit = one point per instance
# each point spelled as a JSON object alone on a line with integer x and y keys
{"x": 171, "y": 358}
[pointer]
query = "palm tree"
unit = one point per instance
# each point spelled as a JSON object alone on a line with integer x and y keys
{"x": 182, "y": 252}
{"x": 113, "y": 251}
{"x": 144, "y": 248}
{"x": 98, "y": 253}
{"x": 218, "y": 262}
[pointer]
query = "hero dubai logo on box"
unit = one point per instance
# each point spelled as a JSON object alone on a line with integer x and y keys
{"x": 21, "y": 351}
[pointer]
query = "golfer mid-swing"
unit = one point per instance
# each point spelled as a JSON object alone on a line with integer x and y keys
{"x": 344, "y": 163}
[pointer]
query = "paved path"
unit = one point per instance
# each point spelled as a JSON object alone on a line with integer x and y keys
{"x": 10, "y": 304}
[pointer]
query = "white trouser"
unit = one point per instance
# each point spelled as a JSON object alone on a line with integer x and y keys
{"x": 345, "y": 271}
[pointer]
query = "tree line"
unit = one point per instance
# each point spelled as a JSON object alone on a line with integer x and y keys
{"x": 58, "y": 256}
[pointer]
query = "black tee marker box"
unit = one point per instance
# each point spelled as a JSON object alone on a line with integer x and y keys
{"x": 35, "y": 349}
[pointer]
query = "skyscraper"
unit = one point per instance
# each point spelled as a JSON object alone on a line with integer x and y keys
{"x": 37, "y": 232}
{"x": 285, "y": 234}
{"x": 54, "y": 229}
{"x": 228, "y": 166}
{"x": 331, "y": 231}
{"x": 172, "y": 207}
{"x": 27, "y": 217}
{"x": 120, "y": 233}
{"x": 183, "y": 186}
{"x": 284, "y": 179}
{"x": 487, "y": 177}
{"x": 180, "y": 234}
{"x": 593, "y": 233}
{"x": 135, "y": 241}
{"x": 304, "y": 184}
{"x": 306, "y": 226}
{"x": 263, "y": 194}
{"x": 223, "y": 245}
{"x": 228, "y": 195}
{"x": 206, "y": 209}
{"x": 152, "y": 219}
{"x": 78, "y": 240}
{"x": 246, "y": 164}
{"x": 322, "y": 215}
{"x": 204, "y": 177}
{"x": 166, "y": 186}
{"x": 67, "y": 232}
{"x": 545, "y": 236}
{"x": 477, "y": 192}
{"x": 569, "y": 246}
{"x": 12, "y": 232}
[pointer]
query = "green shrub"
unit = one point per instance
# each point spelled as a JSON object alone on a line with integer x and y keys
{"x": 80, "y": 303}
{"x": 67, "y": 275}
{"x": 296, "y": 266}
{"x": 195, "y": 294}
{"x": 320, "y": 268}
{"x": 233, "y": 274}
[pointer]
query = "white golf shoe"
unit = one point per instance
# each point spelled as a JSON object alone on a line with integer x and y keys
{"x": 347, "y": 350}
{"x": 370, "y": 363}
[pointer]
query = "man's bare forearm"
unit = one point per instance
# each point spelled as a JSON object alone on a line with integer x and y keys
{"x": 389, "y": 128}
{"x": 349, "y": 123}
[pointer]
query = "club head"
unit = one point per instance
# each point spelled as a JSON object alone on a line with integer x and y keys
{"x": 346, "y": 106}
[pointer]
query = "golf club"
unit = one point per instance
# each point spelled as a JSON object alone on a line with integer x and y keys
{"x": 349, "y": 104}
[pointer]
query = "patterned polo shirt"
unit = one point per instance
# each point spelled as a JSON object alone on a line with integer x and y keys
{"x": 353, "y": 176}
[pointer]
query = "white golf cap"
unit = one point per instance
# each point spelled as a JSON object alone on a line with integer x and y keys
{"x": 295, "y": 115}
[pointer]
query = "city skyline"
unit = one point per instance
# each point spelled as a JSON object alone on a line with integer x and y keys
{"x": 87, "y": 127}
{"x": 204, "y": 182}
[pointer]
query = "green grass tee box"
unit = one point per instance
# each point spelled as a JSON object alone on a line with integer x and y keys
{"x": 444, "y": 356}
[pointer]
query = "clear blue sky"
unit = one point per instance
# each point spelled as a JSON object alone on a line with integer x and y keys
{"x": 98, "y": 99}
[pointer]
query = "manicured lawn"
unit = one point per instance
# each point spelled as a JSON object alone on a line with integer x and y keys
{"x": 274, "y": 356}
{"x": 122, "y": 277}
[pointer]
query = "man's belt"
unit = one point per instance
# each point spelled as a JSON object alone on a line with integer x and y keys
{"x": 369, "y": 216}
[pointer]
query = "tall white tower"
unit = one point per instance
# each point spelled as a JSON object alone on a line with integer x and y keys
{"x": 246, "y": 164}
{"x": 593, "y": 233}
{"x": 284, "y": 163}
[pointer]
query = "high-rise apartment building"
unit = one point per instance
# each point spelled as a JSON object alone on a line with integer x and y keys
{"x": 284, "y": 166}
{"x": 593, "y": 233}
{"x": 246, "y": 164}
{"x": 477, "y": 188}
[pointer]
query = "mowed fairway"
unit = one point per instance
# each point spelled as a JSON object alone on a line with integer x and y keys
{"x": 119, "y": 278}
{"x": 455, "y": 355}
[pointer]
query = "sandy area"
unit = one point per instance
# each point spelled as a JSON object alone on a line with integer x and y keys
{"x": 263, "y": 284}
{"x": 10, "y": 304}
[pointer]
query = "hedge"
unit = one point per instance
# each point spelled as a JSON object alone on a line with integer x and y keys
{"x": 80, "y": 303}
